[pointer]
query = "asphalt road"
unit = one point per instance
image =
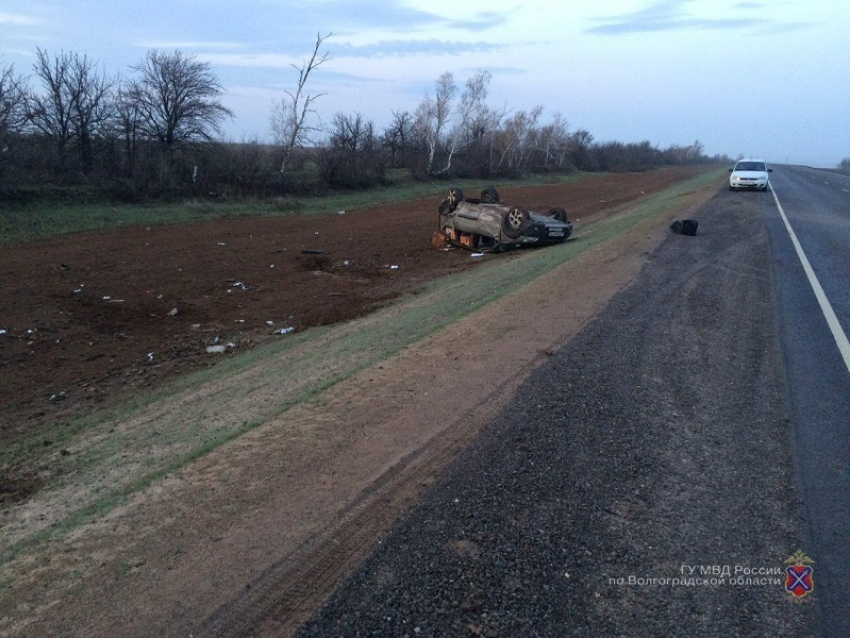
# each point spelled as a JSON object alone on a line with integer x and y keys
{"x": 642, "y": 483}
{"x": 817, "y": 207}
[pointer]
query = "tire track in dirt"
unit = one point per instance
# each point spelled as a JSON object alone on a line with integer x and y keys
{"x": 289, "y": 592}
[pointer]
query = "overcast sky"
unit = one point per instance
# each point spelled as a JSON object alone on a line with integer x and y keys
{"x": 744, "y": 77}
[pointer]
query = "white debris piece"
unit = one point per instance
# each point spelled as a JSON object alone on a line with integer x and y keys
{"x": 342, "y": 212}
{"x": 286, "y": 331}
{"x": 477, "y": 255}
{"x": 173, "y": 312}
{"x": 150, "y": 357}
{"x": 393, "y": 267}
{"x": 216, "y": 349}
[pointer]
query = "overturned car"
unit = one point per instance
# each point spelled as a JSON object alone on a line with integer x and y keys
{"x": 485, "y": 224}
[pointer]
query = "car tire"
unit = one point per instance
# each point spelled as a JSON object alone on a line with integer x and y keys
{"x": 455, "y": 197}
{"x": 514, "y": 220}
{"x": 560, "y": 214}
{"x": 490, "y": 196}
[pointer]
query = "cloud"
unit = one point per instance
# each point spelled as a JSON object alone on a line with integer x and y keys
{"x": 18, "y": 19}
{"x": 403, "y": 48}
{"x": 481, "y": 22}
{"x": 667, "y": 15}
{"x": 183, "y": 45}
{"x": 386, "y": 49}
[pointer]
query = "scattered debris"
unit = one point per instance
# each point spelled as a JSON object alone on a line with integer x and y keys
{"x": 173, "y": 312}
{"x": 393, "y": 267}
{"x": 2, "y": 332}
{"x": 107, "y": 298}
{"x": 477, "y": 255}
{"x": 240, "y": 321}
{"x": 342, "y": 212}
{"x": 685, "y": 227}
{"x": 221, "y": 243}
{"x": 150, "y": 357}
{"x": 58, "y": 396}
{"x": 216, "y": 349}
{"x": 311, "y": 251}
{"x": 270, "y": 323}
{"x": 286, "y": 331}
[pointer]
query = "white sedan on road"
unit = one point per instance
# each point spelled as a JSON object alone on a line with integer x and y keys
{"x": 749, "y": 173}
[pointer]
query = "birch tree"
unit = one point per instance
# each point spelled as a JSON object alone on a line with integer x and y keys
{"x": 289, "y": 119}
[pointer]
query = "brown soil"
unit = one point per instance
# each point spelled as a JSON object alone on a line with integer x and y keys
{"x": 250, "y": 538}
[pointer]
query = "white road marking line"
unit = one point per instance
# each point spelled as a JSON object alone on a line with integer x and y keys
{"x": 825, "y": 306}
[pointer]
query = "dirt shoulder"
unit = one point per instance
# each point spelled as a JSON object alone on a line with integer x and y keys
{"x": 255, "y": 533}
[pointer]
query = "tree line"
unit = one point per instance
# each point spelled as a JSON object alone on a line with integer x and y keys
{"x": 158, "y": 131}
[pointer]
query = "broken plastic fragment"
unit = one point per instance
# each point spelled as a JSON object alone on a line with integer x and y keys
{"x": 286, "y": 331}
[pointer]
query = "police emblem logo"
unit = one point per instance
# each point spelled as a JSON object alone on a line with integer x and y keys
{"x": 799, "y": 575}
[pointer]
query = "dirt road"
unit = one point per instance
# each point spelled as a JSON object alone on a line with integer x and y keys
{"x": 252, "y": 535}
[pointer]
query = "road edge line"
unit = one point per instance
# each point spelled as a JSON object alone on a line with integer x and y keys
{"x": 826, "y": 307}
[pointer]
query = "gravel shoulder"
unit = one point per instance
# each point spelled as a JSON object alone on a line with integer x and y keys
{"x": 655, "y": 444}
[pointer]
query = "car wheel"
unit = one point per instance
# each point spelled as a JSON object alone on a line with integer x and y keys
{"x": 490, "y": 196}
{"x": 455, "y": 197}
{"x": 513, "y": 222}
{"x": 560, "y": 214}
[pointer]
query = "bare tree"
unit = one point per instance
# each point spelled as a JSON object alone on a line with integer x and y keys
{"x": 75, "y": 103}
{"x": 289, "y": 116}
{"x": 50, "y": 112}
{"x": 179, "y": 99}
{"x": 433, "y": 117}
{"x": 353, "y": 158}
{"x": 91, "y": 106}
{"x": 13, "y": 96}
{"x": 400, "y": 137}
{"x": 127, "y": 118}
{"x": 581, "y": 142}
